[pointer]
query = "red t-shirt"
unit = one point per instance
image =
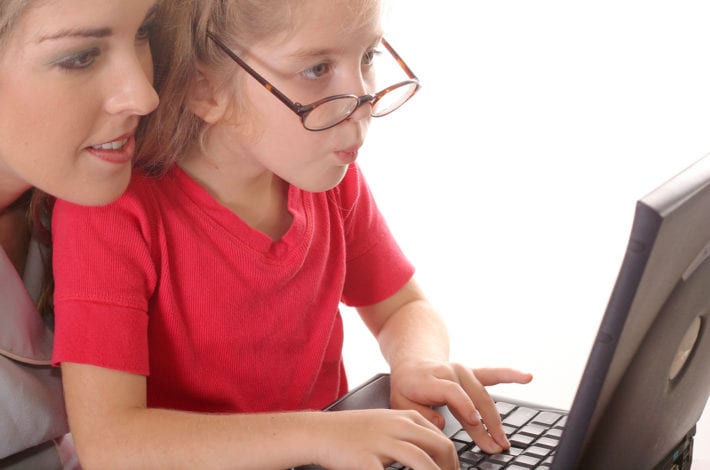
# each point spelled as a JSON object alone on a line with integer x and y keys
{"x": 168, "y": 283}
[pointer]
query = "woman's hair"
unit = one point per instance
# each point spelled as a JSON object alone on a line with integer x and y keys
{"x": 181, "y": 43}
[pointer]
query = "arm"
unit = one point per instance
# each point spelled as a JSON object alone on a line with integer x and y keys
{"x": 415, "y": 343}
{"x": 113, "y": 428}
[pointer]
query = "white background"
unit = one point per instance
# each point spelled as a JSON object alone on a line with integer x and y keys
{"x": 510, "y": 180}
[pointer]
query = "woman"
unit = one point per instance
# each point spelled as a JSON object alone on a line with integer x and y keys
{"x": 75, "y": 77}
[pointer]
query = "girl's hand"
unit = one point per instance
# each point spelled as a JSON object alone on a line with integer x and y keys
{"x": 420, "y": 385}
{"x": 371, "y": 439}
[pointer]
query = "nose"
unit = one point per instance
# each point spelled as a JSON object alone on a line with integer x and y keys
{"x": 364, "y": 109}
{"x": 131, "y": 87}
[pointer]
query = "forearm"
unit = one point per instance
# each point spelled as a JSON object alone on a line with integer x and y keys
{"x": 156, "y": 438}
{"x": 414, "y": 331}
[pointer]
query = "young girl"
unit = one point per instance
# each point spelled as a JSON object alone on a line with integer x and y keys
{"x": 197, "y": 317}
{"x": 75, "y": 77}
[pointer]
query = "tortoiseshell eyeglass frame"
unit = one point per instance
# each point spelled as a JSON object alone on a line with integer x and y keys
{"x": 303, "y": 110}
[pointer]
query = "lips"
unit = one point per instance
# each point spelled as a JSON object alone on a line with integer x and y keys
{"x": 348, "y": 155}
{"x": 119, "y": 150}
{"x": 115, "y": 145}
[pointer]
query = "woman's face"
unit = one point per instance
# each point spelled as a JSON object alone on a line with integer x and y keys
{"x": 75, "y": 77}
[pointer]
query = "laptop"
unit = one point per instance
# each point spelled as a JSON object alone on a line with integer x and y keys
{"x": 647, "y": 377}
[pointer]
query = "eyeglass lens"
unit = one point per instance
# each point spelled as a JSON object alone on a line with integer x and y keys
{"x": 333, "y": 111}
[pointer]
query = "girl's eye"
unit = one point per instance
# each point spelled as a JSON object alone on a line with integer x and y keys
{"x": 369, "y": 57}
{"x": 80, "y": 60}
{"x": 316, "y": 71}
{"x": 146, "y": 30}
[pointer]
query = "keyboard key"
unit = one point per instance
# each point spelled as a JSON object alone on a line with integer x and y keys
{"x": 521, "y": 440}
{"x": 547, "y": 442}
{"x": 500, "y": 458}
{"x": 509, "y": 430}
{"x": 488, "y": 466}
{"x": 460, "y": 446}
{"x": 547, "y": 418}
{"x": 462, "y": 436}
{"x": 533, "y": 430}
{"x": 514, "y": 451}
{"x": 520, "y": 416}
{"x": 470, "y": 457}
{"x": 527, "y": 461}
{"x": 504, "y": 408}
{"x": 537, "y": 451}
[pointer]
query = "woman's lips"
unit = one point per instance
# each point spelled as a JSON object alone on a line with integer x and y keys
{"x": 118, "y": 151}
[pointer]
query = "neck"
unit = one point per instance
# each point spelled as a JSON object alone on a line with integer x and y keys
{"x": 256, "y": 195}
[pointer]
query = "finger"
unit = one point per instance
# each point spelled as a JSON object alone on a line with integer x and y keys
{"x": 412, "y": 456}
{"x": 483, "y": 439}
{"x": 494, "y": 376}
{"x": 458, "y": 399}
{"x": 433, "y": 444}
{"x": 487, "y": 409}
{"x": 402, "y": 403}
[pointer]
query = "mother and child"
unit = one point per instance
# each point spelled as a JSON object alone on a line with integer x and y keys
{"x": 196, "y": 307}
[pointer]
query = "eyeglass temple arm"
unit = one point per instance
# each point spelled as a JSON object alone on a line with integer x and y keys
{"x": 399, "y": 60}
{"x": 296, "y": 108}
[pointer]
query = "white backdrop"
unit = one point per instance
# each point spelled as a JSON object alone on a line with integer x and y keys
{"x": 511, "y": 179}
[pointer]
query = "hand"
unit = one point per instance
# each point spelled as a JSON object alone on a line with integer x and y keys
{"x": 419, "y": 385}
{"x": 371, "y": 439}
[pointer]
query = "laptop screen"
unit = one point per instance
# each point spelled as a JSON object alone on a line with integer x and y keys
{"x": 648, "y": 374}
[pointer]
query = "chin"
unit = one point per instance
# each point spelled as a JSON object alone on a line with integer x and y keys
{"x": 326, "y": 181}
{"x": 97, "y": 193}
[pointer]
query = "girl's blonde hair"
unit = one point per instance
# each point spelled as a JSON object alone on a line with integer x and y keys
{"x": 10, "y": 11}
{"x": 181, "y": 43}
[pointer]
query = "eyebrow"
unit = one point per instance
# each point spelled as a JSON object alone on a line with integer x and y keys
{"x": 95, "y": 33}
{"x": 77, "y": 33}
{"x": 308, "y": 53}
{"x": 314, "y": 52}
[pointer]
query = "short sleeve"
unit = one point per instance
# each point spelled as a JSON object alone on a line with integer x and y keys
{"x": 105, "y": 274}
{"x": 376, "y": 267}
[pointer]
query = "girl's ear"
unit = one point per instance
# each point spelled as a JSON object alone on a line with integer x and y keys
{"x": 204, "y": 98}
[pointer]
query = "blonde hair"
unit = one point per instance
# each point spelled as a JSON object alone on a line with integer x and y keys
{"x": 181, "y": 43}
{"x": 10, "y": 11}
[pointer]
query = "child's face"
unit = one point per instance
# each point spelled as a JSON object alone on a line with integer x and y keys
{"x": 328, "y": 53}
{"x": 75, "y": 76}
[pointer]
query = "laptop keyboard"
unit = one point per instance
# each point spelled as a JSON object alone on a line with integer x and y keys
{"x": 533, "y": 434}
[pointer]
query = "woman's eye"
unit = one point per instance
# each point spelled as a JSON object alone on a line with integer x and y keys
{"x": 316, "y": 71}
{"x": 79, "y": 60}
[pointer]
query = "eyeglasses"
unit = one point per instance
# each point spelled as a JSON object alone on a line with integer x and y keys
{"x": 331, "y": 111}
